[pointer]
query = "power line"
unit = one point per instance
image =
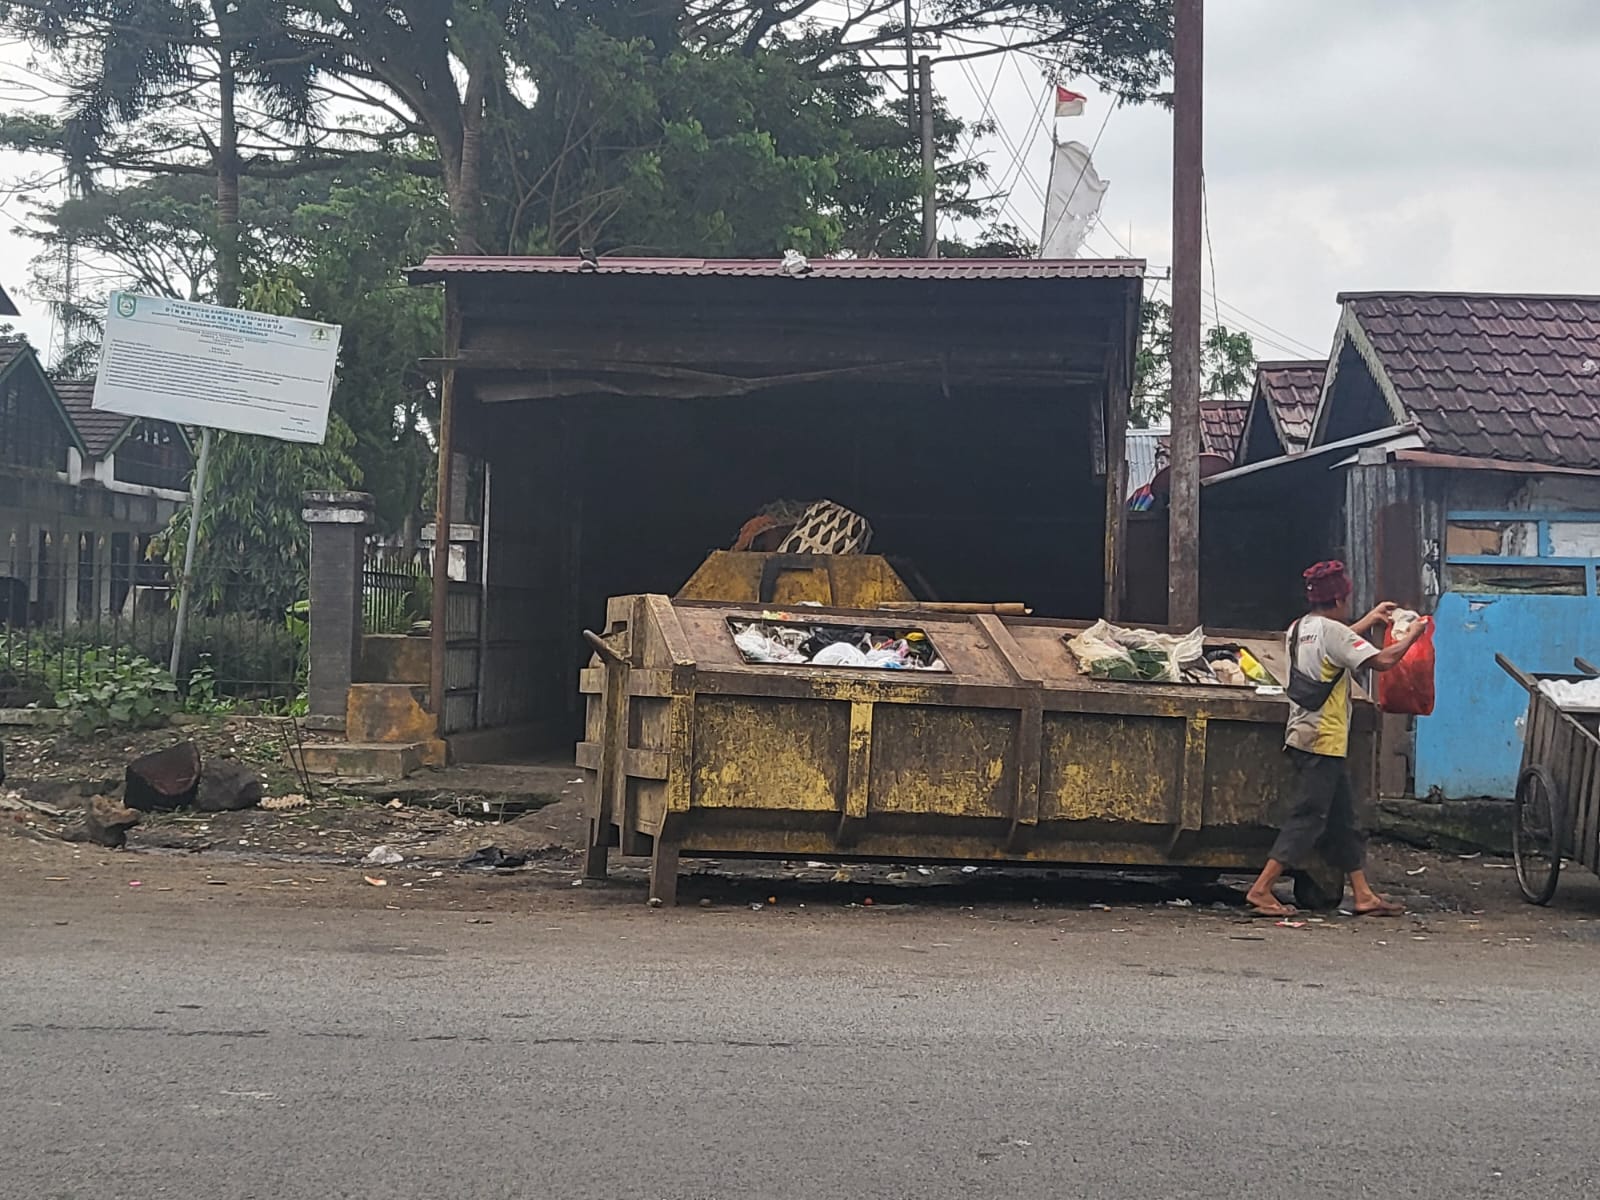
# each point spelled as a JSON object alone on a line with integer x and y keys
{"x": 1205, "y": 216}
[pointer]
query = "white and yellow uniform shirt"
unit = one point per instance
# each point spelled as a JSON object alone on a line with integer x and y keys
{"x": 1324, "y": 648}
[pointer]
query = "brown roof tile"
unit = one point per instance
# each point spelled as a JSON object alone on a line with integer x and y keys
{"x": 1292, "y": 390}
{"x": 1511, "y": 377}
{"x": 97, "y": 429}
{"x": 1221, "y": 424}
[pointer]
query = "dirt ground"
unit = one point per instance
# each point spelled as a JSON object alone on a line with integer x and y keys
{"x": 313, "y": 856}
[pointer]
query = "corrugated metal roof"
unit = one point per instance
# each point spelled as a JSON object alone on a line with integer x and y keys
{"x": 1508, "y": 377}
{"x": 1141, "y": 448}
{"x": 1292, "y": 390}
{"x": 440, "y": 267}
{"x": 97, "y": 429}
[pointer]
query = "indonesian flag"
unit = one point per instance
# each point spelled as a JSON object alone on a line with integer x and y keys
{"x": 1068, "y": 103}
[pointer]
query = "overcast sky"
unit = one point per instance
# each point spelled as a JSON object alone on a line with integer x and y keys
{"x": 1363, "y": 144}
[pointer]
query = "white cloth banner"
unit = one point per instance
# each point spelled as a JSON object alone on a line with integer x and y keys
{"x": 1072, "y": 203}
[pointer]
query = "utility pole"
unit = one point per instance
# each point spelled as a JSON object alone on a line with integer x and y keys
{"x": 930, "y": 178}
{"x": 1183, "y": 511}
{"x": 913, "y": 110}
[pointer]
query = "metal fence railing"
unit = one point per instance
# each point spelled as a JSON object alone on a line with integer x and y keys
{"x": 94, "y": 624}
{"x": 396, "y": 589}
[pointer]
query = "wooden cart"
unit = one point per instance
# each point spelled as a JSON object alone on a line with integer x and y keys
{"x": 1557, "y": 812}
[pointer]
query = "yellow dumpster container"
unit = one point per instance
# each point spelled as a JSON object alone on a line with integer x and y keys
{"x": 1008, "y": 756}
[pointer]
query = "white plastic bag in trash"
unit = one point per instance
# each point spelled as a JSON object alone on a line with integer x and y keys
{"x": 756, "y": 646}
{"x": 839, "y": 654}
{"x": 1105, "y": 651}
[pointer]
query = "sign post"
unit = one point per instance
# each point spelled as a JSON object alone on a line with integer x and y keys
{"x": 216, "y": 368}
{"x": 197, "y": 497}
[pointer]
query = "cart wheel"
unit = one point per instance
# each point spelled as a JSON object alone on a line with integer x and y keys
{"x": 1319, "y": 888}
{"x": 1536, "y": 827}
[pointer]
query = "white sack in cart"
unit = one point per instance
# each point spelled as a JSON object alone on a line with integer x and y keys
{"x": 1570, "y": 693}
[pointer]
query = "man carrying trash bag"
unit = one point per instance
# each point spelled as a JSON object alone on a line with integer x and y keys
{"x": 1323, "y": 653}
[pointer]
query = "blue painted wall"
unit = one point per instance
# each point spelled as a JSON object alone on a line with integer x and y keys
{"x": 1470, "y": 745}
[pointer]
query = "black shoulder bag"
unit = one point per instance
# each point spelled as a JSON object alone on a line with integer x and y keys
{"x": 1306, "y": 692}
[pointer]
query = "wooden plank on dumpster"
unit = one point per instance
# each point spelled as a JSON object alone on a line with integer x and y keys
{"x": 1191, "y": 785}
{"x": 858, "y": 770}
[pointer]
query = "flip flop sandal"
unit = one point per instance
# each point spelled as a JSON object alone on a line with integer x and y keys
{"x": 1383, "y": 910}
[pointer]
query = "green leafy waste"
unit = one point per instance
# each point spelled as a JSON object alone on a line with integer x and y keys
{"x": 1141, "y": 666}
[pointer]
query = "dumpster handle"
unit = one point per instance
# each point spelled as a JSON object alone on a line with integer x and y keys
{"x": 603, "y": 650}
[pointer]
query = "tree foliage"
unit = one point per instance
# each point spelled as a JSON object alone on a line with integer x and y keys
{"x": 1227, "y": 364}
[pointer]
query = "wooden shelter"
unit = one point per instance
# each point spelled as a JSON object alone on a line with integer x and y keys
{"x": 606, "y": 424}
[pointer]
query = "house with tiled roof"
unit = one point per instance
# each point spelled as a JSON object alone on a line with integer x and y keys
{"x": 81, "y": 494}
{"x": 8, "y": 308}
{"x": 1282, "y": 405}
{"x": 1448, "y": 450}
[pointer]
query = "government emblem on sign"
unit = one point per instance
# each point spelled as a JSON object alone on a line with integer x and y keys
{"x": 126, "y": 305}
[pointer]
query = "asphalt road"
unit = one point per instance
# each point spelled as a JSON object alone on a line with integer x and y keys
{"x": 186, "y": 1050}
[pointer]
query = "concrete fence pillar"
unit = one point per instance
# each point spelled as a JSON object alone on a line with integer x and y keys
{"x": 340, "y": 522}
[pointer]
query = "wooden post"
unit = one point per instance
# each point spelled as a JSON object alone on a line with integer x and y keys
{"x": 438, "y": 633}
{"x": 930, "y": 166}
{"x": 1183, "y": 512}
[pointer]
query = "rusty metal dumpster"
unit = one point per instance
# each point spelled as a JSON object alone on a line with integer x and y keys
{"x": 1009, "y": 755}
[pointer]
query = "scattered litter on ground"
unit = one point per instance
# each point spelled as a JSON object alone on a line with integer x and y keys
{"x": 1291, "y": 924}
{"x": 492, "y": 858}
{"x": 285, "y": 803}
{"x": 376, "y": 882}
{"x": 1470, "y": 857}
{"x": 1180, "y": 902}
{"x": 383, "y": 856}
{"x": 396, "y": 803}
{"x": 1247, "y": 937}
{"x": 841, "y": 876}
{"x": 969, "y": 870}
{"x": 135, "y": 883}
{"x": 756, "y": 906}
{"x": 1418, "y": 871}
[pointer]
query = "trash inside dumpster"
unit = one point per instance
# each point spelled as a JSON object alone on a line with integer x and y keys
{"x": 1011, "y": 753}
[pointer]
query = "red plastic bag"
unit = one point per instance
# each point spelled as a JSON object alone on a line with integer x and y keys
{"x": 1407, "y": 687}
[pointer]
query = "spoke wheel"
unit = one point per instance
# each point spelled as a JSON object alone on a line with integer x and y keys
{"x": 1536, "y": 835}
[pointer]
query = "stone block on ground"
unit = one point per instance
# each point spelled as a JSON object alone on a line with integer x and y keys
{"x": 227, "y": 785}
{"x": 165, "y": 780}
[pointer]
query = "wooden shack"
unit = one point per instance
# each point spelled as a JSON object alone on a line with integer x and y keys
{"x": 607, "y": 424}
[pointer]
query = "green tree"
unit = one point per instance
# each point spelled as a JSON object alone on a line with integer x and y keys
{"x": 123, "y": 60}
{"x": 1227, "y": 364}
